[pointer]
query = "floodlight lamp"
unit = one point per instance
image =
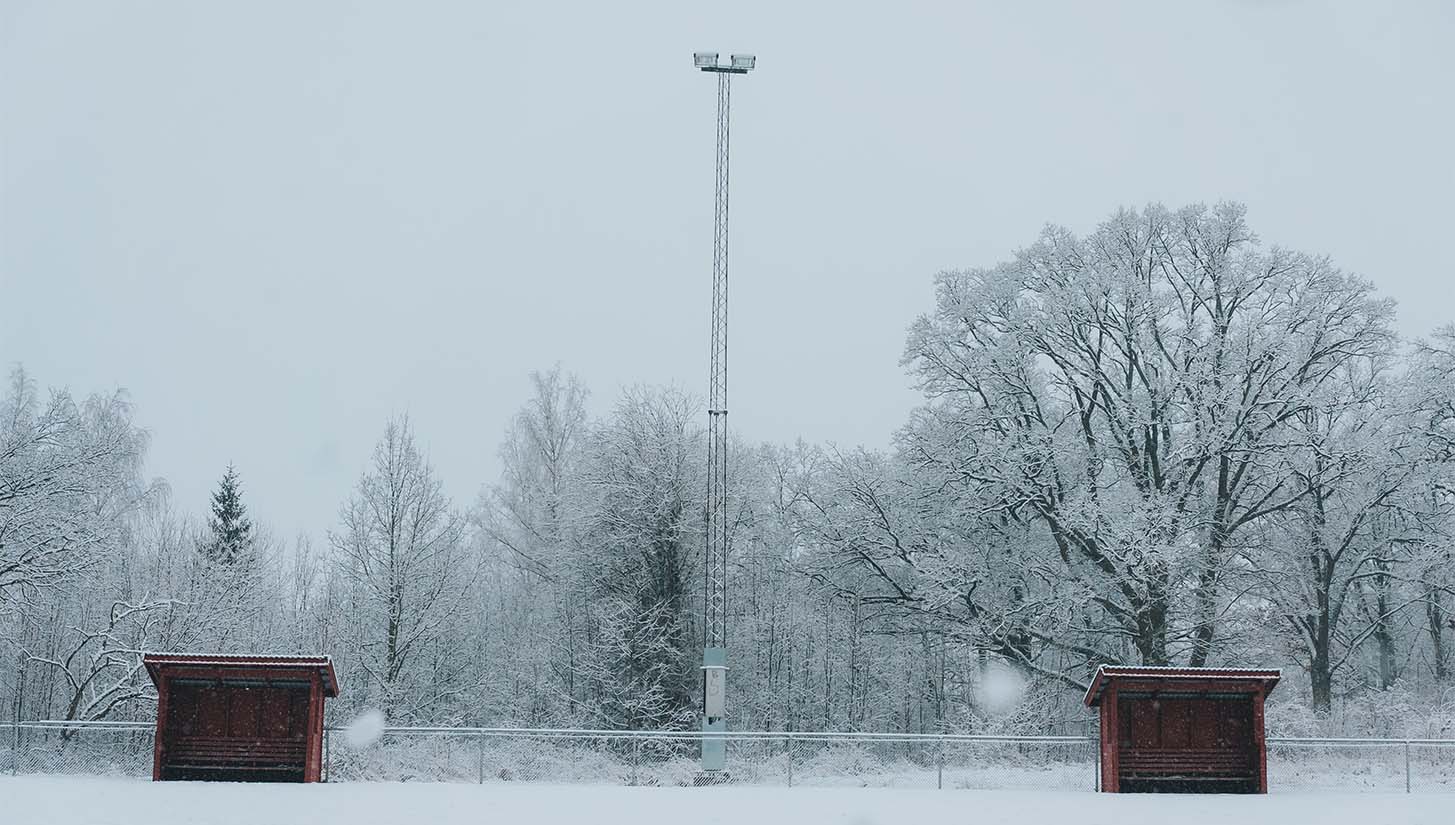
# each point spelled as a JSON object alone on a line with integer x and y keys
{"x": 704, "y": 60}
{"x": 744, "y": 61}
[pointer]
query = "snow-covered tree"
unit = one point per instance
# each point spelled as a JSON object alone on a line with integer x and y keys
{"x": 531, "y": 601}
{"x": 642, "y": 527}
{"x": 1109, "y": 413}
{"x": 1162, "y": 441}
{"x": 400, "y": 547}
{"x": 1361, "y": 465}
{"x": 229, "y": 537}
{"x": 70, "y": 476}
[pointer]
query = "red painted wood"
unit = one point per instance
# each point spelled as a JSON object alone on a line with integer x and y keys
{"x": 159, "y": 735}
{"x": 1144, "y": 723}
{"x": 1111, "y": 750}
{"x": 1204, "y": 718}
{"x": 1182, "y": 727}
{"x": 1262, "y": 740}
{"x": 227, "y": 717}
{"x": 1174, "y": 725}
{"x": 1210, "y": 675}
{"x": 314, "y": 761}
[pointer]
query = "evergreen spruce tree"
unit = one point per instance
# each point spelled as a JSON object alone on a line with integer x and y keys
{"x": 231, "y": 533}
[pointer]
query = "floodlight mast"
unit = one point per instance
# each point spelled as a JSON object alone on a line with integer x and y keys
{"x": 715, "y": 548}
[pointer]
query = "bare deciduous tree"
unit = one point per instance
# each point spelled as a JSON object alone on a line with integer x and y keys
{"x": 401, "y": 547}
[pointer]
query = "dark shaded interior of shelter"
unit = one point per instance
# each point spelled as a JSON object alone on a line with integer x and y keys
{"x": 1186, "y": 743}
{"x": 236, "y": 731}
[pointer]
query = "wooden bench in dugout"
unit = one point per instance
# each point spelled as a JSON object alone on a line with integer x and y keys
{"x": 219, "y": 753}
{"x": 1186, "y": 769}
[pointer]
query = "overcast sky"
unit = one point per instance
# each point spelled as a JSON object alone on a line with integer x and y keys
{"x": 277, "y": 223}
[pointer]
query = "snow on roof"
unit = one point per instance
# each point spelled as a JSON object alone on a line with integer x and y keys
{"x": 323, "y": 664}
{"x": 1270, "y": 676}
{"x": 282, "y": 657}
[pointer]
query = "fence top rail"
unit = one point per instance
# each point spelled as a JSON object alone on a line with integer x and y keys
{"x": 587, "y": 733}
{"x": 803, "y": 736}
{"x": 1353, "y": 741}
{"x": 73, "y": 724}
{"x": 691, "y": 735}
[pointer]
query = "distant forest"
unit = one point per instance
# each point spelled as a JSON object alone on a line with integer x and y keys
{"x": 1165, "y": 442}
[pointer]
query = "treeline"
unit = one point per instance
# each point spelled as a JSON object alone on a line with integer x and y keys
{"x": 1162, "y": 443}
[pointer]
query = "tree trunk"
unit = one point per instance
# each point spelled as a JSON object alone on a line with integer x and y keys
{"x": 1435, "y": 619}
{"x": 1384, "y": 640}
{"x": 1320, "y": 625}
{"x": 1383, "y": 633}
{"x": 1321, "y": 676}
{"x": 1207, "y": 598}
{"x": 1151, "y": 618}
{"x": 1321, "y": 681}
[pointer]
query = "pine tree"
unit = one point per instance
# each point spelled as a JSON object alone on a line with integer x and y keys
{"x": 231, "y": 533}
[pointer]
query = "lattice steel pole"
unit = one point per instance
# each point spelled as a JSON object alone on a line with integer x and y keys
{"x": 715, "y": 552}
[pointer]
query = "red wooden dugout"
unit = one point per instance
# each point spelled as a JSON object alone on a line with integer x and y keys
{"x": 239, "y": 717}
{"x": 1182, "y": 729}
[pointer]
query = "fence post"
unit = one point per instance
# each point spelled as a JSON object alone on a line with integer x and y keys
{"x": 940, "y": 765}
{"x": 636, "y": 752}
{"x": 790, "y": 760}
{"x": 480, "y": 760}
{"x": 19, "y": 699}
{"x": 1406, "y": 766}
{"x": 327, "y": 756}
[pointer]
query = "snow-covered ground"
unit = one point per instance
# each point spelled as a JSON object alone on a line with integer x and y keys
{"x": 88, "y": 801}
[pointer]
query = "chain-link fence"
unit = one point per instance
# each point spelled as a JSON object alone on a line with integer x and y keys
{"x": 93, "y": 749}
{"x": 1362, "y": 764}
{"x": 631, "y": 758}
{"x": 490, "y": 755}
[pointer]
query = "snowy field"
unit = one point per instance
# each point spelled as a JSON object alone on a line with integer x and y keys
{"x": 83, "y": 801}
